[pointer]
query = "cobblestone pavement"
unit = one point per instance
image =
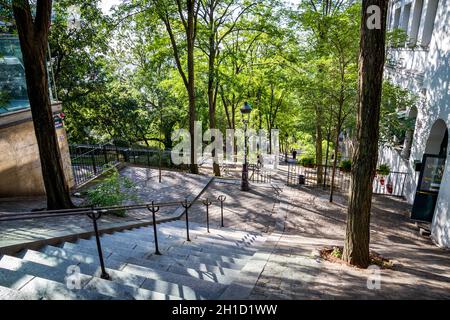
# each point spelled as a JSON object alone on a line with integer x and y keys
{"x": 295, "y": 271}
{"x": 175, "y": 186}
{"x": 252, "y": 210}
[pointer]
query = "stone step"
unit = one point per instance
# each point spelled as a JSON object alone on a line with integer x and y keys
{"x": 120, "y": 279}
{"x": 11, "y": 294}
{"x": 36, "y": 288}
{"x": 202, "y": 227}
{"x": 151, "y": 271}
{"x": 56, "y": 273}
{"x": 115, "y": 247}
{"x": 180, "y": 230}
{"x": 44, "y": 289}
{"x": 204, "y": 260}
{"x": 199, "y": 271}
{"x": 111, "y": 288}
{"x": 244, "y": 241}
{"x": 89, "y": 246}
{"x": 185, "y": 252}
{"x": 208, "y": 288}
{"x": 211, "y": 248}
{"x": 13, "y": 280}
{"x": 204, "y": 249}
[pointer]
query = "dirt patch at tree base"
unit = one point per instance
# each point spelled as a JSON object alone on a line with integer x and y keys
{"x": 334, "y": 255}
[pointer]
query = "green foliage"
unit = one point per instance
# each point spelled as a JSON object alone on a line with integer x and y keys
{"x": 346, "y": 165}
{"x": 113, "y": 190}
{"x": 4, "y": 98}
{"x": 396, "y": 38}
{"x": 394, "y": 125}
{"x": 383, "y": 170}
{"x": 337, "y": 253}
{"x": 307, "y": 161}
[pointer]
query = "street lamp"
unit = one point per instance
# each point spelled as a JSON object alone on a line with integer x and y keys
{"x": 245, "y": 111}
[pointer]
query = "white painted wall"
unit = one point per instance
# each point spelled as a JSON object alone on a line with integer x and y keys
{"x": 425, "y": 71}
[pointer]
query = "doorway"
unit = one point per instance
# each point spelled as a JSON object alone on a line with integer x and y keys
{"x": 431, "y": 173}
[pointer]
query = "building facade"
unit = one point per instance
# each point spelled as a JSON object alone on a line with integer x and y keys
{"x": 421, "y": 64}
{"x": 20, "y": 168}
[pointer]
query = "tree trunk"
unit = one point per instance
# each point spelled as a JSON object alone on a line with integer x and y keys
{"x": 371, "y": 63}
{"x": 33, "y": 42}
{"x": 212, "y": 87}
{"x": 319, "y": 149}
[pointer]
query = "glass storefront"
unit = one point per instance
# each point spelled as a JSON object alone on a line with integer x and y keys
{"x": 13, "y": 88}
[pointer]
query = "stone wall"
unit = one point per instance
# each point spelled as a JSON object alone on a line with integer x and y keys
{"x": 20, "y": 168}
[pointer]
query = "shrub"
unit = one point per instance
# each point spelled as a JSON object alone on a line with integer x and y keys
{"x": 307, "y": 161}
{"x": 114, "y": 190}
{"x": 346, "y": 165}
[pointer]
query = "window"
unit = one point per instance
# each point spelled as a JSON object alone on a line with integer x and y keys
{"x": 13, "y": 88}
{"x": 405, "y": 18}
{"x": 428, "y": 27}
{"x": 415, "y": 24}
{"x": 396, "y": 18}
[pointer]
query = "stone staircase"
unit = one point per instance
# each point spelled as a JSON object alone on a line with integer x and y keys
{"x": 201, "y": 269}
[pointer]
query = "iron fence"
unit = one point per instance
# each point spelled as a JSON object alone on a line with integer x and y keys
{"x": 321, "y": 176}
{"x": 90, "y": 161}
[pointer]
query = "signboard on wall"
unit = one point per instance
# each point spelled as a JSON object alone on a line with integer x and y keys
{"x": 58, "y": 118}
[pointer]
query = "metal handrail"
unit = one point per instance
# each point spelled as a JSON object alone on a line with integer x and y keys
{"x": 95, "y": 213}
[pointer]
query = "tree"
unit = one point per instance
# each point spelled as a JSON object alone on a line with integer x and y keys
{"x": 33, "y": 35}
{"x": 220, "y": 19}
{"x": 371, "y": 64}
{"x": 187, "y": 14}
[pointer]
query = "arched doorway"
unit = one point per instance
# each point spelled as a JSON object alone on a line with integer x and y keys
{"x": 431, "y": 173}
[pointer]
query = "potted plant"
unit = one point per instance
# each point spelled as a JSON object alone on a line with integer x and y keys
{"x": 345, "y": 165}
{"x": 383, "y": 171}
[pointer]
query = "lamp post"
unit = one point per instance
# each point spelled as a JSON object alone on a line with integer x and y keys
{"x": 245, "y": 111}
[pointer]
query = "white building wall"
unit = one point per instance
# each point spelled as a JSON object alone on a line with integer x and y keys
{"x": 425, "y": 70}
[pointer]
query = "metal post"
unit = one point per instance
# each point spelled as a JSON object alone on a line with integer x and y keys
{"x": 95, "y": 215}
{"x": 185, "y": 205}
{"x": 154, "y": 209}
{"x": 326, "y": 161}
{"x": 94, "y": 164}
{"x": 221, "y": 199}
{"x": 105, "y": 153}
{"x": 244, "y": 182}
{"x": 207, "y": 203}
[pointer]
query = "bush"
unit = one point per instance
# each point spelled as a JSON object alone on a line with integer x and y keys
{"x": 346, "y": 165}
{"x": 114, "y": 190}
{"x": 307, "y": 161}
{"x": 383, "y": 170}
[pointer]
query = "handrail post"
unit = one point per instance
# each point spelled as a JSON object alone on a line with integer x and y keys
{"x": 154, "y": 209}
{"x": 221, "y": 199}
{"x": 185, "y": 205}
{"x": 95, "y": 215}
{"x": 207, "y": 203}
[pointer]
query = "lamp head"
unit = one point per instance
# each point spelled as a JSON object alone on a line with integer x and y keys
{"x": 246, "y": 109}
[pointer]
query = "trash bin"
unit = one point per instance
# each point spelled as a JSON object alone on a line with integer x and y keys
{"x": 301, "y": 179}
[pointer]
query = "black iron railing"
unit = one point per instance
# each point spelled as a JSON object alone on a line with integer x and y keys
{"x": 259, "y": 174}
{"x": 95, "y": 214}
{"x": 90, "y": 161}
{"x": 321, "y": 176}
